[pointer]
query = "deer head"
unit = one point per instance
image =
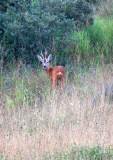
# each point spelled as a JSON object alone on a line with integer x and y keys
{"x": 45, "y": 61}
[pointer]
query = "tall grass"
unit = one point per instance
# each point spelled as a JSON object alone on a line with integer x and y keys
{"x": 38, "y": 123}
{"x": 105, "y": 9}
{"x": 96, "y": 41}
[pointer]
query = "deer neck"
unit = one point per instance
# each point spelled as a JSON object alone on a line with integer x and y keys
{"x": 47, "y": 70}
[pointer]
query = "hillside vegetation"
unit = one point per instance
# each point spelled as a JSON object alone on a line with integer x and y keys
{"x": 39, "y": 123}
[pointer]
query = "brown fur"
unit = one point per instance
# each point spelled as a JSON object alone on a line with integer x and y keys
{"x": 55, "y": 74}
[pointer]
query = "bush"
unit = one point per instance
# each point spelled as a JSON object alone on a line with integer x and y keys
{"x": 31, "y": 26}
{"x": 94, "y": 1}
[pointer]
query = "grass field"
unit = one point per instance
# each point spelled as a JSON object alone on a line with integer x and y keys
{"x": 38, "y": 123}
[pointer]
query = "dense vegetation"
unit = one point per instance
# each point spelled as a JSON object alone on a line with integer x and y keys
{"x": 35, "y": 121}
{"x": 59, "y": 26}
{"x": 30, "y": 26}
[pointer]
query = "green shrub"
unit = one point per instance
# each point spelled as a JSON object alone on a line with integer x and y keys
{"x": 96, "y": 41}
{"x": 27, "y": 27}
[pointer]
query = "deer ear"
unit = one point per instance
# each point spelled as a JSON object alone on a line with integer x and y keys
{"x": 49, "y": 57}
{"x": 40, "y": 58}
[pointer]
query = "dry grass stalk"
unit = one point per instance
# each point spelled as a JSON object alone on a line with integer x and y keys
{"x": 53, "y": 121}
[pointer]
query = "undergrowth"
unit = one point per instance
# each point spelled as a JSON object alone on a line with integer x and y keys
{"x": 37, "y": 122}
{"x": 96, "y": 42}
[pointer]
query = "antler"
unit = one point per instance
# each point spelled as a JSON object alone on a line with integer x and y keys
{"x": 42, "y": 55}
{"x": 45, "y": 53}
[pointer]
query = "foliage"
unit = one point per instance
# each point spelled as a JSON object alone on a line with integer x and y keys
{"x": 105, "y": 9}
{"x": 94, "y": 1}
{"x": 29, "y": 26}
{"x": 80, "y": 11}
{"x": 86, "y": 152}
{"x": 96, "y": 42}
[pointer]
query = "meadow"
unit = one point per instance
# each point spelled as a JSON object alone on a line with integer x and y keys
{"x": 39, "y": 123}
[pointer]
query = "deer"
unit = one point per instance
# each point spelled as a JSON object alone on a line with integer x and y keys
{"x": 55, "y": 73}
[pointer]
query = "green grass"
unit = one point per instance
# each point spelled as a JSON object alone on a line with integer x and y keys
{"x": 96, "y": 41}
{"x": 79, "y": 153}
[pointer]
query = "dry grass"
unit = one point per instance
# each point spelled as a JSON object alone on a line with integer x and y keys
{"x": 105, "y": 8}
{"x": 35, "y": 120}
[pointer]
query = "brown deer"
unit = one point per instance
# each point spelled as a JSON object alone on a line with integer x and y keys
{"x": 55, "y": 73}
